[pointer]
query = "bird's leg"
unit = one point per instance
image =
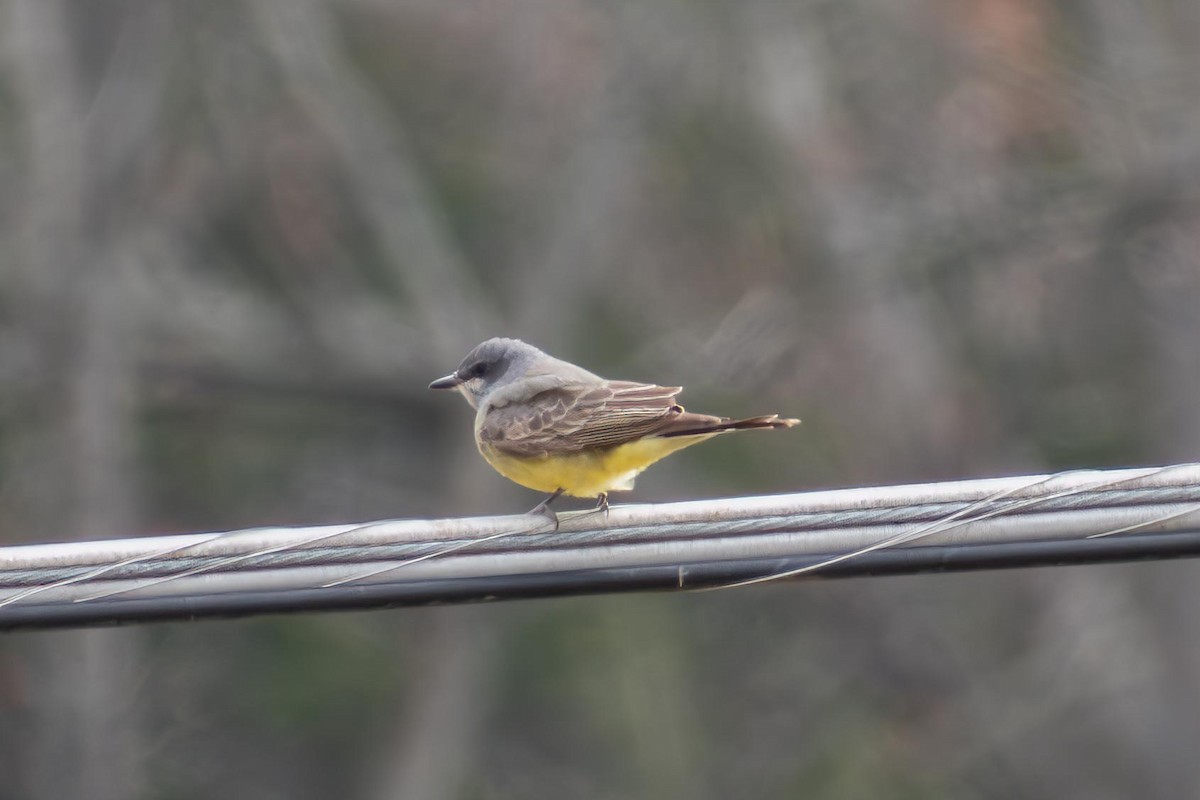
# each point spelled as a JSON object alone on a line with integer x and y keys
{"x": 543, "y": 508}
{"x": 601, "y": 507}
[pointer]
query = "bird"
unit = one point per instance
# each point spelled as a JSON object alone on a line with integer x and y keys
{"x": 554, "y": 427}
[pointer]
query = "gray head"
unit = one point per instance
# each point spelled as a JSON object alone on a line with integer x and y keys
{"x": 490, "y": 365}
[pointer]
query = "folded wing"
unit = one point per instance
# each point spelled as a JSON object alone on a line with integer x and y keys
{"x": 569, "y": 419}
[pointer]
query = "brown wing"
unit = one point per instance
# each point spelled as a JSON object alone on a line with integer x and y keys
{"x": 575, "y": 418}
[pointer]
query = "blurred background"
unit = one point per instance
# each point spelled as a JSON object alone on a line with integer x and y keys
{"x": 959, "y": 238}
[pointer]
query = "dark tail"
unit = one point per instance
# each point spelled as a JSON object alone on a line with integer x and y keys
{"x": 688, "y": 424}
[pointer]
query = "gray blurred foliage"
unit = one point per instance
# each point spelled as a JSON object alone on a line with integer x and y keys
{"x": 958, "y": 237}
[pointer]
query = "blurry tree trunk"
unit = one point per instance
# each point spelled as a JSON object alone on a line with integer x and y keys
{"x": 84, "y": 683}
{"x": 301, "y": 37}
{"x": 90, "y": 689}
{"x": 1172, "y": 281}
{"x": 435, "y": 745}
{"x": 435, "y": 740}
{"x": 83, "y": 739}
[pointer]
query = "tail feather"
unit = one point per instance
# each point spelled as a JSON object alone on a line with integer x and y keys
{"x": 688, "y": 424}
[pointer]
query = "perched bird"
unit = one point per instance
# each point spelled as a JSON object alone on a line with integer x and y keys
{"x": 554, "y": 427}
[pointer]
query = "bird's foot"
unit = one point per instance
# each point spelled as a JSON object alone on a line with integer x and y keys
{"x": 543, "y": 509}
{"x": 601, "y": 507}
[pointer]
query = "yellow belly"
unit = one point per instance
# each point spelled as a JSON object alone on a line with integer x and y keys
{"x": 587, "y": 473}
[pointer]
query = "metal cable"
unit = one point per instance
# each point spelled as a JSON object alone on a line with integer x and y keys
{"x": 1076, "y": 517}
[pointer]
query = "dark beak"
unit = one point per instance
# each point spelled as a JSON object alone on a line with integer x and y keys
{"x": 451, "y": 381}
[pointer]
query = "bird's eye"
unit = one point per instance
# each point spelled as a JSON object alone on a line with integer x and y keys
{"x": 477, "y": 369}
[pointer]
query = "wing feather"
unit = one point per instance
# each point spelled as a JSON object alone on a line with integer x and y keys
{"x": 567, "y": 419}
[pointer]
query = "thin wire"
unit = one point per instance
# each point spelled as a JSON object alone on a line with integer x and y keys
{"x": 229, "y": 561}
{"x": 953, "y": 521}
{"x": 1148, "y": 523}
{"x": 104, "y": 569}
{"x": 426, "y": 557}
{"x": 900, "y": 538}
